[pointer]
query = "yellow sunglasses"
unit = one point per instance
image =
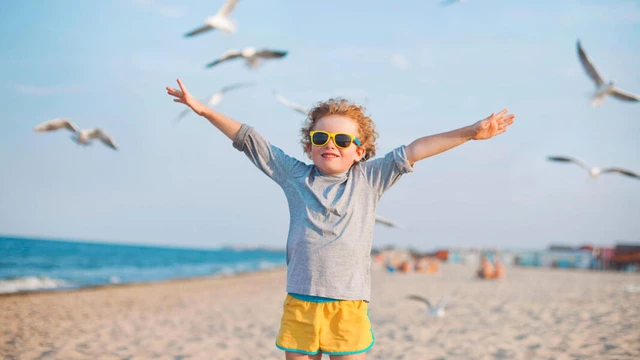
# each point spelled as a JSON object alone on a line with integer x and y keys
{"x": 341, "y": 140}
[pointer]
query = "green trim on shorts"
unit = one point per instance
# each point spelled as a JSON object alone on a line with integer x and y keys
{"x": 373, "y": 340}
{"x": 296, "y": 350}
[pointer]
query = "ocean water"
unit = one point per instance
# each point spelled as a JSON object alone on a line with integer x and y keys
{"x": 41, "y": 265}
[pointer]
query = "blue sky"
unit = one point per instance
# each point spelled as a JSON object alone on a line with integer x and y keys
{"x": 423, "y": 69}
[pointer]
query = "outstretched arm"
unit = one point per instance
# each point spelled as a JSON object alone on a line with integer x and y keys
{"x": 227, "y": 125}
{"x": 427, "y": 146}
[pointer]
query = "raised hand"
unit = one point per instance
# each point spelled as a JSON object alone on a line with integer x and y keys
{"x": 183, "y": 96}
{"x": 494, "y": 124}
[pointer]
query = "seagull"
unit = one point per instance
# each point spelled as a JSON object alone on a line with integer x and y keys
{"x": 450, "y": 2}
{"x": 385, "y": 222}
{"x": 215, "y": 98}
{"x": 593, "y": 171}
{"x": 437, "y": 311}
{"x": 295, "y": 106}
{"x": 631, "y": 288}
{"x": 82, "y": 137}
{"x": 602, "y": 88}
{"x": 252, "y": 56}
{"x": 219, "y": 21}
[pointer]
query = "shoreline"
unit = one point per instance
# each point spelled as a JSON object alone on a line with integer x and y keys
{"x": 141, "y": 283}
{"x": 532, "y": 313}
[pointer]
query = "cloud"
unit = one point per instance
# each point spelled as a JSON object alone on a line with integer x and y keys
{"x": 400, "y": 62}
{"x": 167, "y": 11}
{"x": 49, "y": 90}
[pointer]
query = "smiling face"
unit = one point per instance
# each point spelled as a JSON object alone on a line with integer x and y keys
{"x": 330, "y": 159}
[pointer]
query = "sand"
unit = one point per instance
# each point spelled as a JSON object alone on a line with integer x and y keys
{"x": 531, "y": 314}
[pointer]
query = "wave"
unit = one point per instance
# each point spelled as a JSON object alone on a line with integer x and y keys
{"x": 31, "y": 283}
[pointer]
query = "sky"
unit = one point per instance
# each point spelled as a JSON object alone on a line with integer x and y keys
{"x": 422, "y": 69}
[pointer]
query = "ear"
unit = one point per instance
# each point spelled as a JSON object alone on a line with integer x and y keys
{"x": 307, "y": 151}
{"x": 360, "y": 151}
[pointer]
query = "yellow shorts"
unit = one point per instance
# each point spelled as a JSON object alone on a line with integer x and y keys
{"x": 334, "y": 328}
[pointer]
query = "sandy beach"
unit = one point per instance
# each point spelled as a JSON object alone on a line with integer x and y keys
{"x": 531, "y": 314}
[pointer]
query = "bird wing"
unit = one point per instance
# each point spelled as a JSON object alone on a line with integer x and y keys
{"x": 588, "y": 66}
{"x": 621, "y": 171}
{"x": 295, "y": 106}
{"x": 102, "y": 136}
{"x": 55, "y": 124}
{"x": 215, "y": 98}
{"x": 580, "y": 162}
{"x": 383, "y": 221}
{"x": 271, "y": 54}
{"x": 443, "y": 302}
{"x": 447, "y": 2}
{"x": 623, "y": 95}
{"x": 227, "y": 8}
{"x": 227, "y": 55}
{"x": 236, "y": 86}
{"x": 184, "y": 113}
{"x": 199, "y": 30}
{"x": 420, "y": 298}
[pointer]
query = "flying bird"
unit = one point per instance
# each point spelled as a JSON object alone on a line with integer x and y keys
{"x": 592, "y": 170}
{"x": 450, "y": 2}
{"x": 219, "y": 21}
{"x": 295, "y": 106}
{"x": 250, "y": 54}
{"x": 216, "y": 98}
{"x": 437, "y": 311}
{"x": 603, "y": 89}
{"x": 81, "y": 137}
{"x": 386, "y": 222}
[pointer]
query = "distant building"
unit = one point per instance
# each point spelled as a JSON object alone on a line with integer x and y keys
{"x": 626, "y": 257}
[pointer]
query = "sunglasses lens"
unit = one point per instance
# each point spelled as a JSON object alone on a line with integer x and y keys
{"x": 343, "y": 140}
{"x": 319, "y": 139}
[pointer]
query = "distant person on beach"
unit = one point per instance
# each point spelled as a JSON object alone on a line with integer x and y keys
{"x": 486, "y": 270}
{"x": 490, "y": 270}
{"x": 332, "y": 209}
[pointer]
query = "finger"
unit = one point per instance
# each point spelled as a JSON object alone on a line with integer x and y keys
{"x": 181, "y": 86}
{"x": 503, "y": 127}
{"x": 488, "y": 118}
{"x": 508, "y": 122}
{"x": 179, "y": 101}
{"x": 509, "y": 117}
{"x": 501, "y": 113}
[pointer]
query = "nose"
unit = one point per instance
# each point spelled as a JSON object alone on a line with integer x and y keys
{"x": 330, "y": 144}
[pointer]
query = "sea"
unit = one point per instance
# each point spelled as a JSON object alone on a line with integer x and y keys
{"x": 28, "y": 265}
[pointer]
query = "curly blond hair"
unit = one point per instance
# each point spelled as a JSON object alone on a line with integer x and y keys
{"x": 342, "y": 107}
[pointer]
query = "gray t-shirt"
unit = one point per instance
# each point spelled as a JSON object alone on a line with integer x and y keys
{"x": 331, "y": 217}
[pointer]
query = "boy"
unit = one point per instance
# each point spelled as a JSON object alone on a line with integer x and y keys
{"x": 332, "y": 206}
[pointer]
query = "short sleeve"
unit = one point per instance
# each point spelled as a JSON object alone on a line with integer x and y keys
{"x": 382, "y": 173}
{"x": 270, "y": 159}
